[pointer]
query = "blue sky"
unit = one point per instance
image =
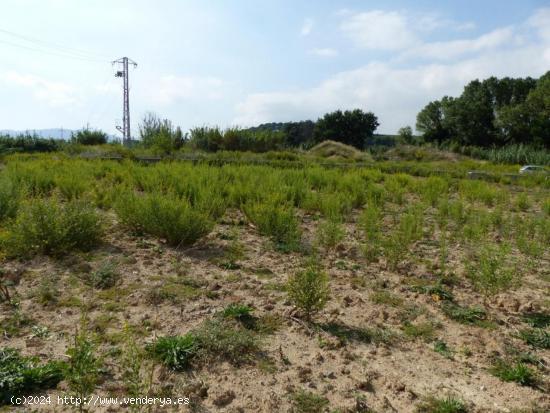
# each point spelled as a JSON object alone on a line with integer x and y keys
{"x": 242, "y": 63}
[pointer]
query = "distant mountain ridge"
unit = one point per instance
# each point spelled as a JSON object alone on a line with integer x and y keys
{"x": 56, "y": 133}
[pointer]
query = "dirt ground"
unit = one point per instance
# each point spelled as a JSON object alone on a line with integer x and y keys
{"x": 354, "y": 376}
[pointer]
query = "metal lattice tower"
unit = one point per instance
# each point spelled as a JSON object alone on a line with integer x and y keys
{"x": 125, "y": 129}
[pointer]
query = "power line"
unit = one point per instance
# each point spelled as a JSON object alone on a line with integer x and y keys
{"x": 67, "y": 56}
{"x": 61, "y": 48}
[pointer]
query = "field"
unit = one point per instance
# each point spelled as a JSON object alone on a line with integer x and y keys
{"x": 395, "y": 287}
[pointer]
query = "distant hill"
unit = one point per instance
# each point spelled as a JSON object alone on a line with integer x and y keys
{"x": 43, "y": 133}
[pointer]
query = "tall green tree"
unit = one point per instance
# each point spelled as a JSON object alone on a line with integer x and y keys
{"x": 160, "y": 134}
{"x": 492, "y": 112}
{"x": 350, "y": 127}
{"x": 430, "y": 122}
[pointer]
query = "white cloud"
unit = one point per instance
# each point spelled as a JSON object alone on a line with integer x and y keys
{"x": 541, "y": 22}
{"x": 463, "y": 27}
{"x": 169, "y": 89}
{"x": 379, "y": 30}
{"x": 454, "y": 48}
{"x": 324, "y": 52}
{"x": 307, "y": 27}
{"x": 394, "y": 94}
{"x": 54, "y": 93}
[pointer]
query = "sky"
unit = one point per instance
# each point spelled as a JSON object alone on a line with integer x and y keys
{"x": 246, "y": 62}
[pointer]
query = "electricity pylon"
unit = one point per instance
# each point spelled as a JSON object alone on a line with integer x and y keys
{"x": 125, "y": 129}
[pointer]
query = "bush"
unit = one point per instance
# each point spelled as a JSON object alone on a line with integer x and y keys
{"x": 159, "y": 134}
{"x": 29, "y": 144}
{"x": 84, "y": 367}
{"x": 330, "y": 233}
{"x": 220, "y": 339}
{"x": 20, "y": 375}
{"x": 465, "y": 315}
{"x": 536, "y": 337}
{"x": 106, "y": 276}
{"x": 277, "y": 222}
{"x": 238, "y": 311}
{"x": 370, "y": 222}
{"x": 307, "y": 402}
{"x": 9, "y": 199}
{"x": 165, "y": 216}
{"x": 89, "y": 137}
{"x": 516, "y": 372}
{"x": 447, "y": 405}
{"x": 47, "y": 226}
{"x": 489, "y": 272}
{"x": 308, "y": 290}
{"x": 175, "y": 352}
{"x": 434, "y": 188}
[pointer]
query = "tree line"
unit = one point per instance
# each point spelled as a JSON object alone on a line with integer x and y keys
{"x": 491, "y": 113}
{"x": 488, "y": 114}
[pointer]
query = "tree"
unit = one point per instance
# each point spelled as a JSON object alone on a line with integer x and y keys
{"x": 349, "y": 127}
{"x": 89, "y": 137}
{"x": 492, "y": 112}
{"x": 299, "y": 133}
{"x": 160, "y": 134}
{"x": 406, "y": 135}
{"x": 527, "y": 118}
{"x": 430, "y": 122}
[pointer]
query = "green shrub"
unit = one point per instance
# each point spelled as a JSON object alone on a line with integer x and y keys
{"x": 516, "y": 372}
{"x": 307, "y": 402}
{"x": 536, "y": 337}
{"x": 433, "y": 189}
{"x": 442, "y": 348}
{"x": 89, "y": 137}
{"x": 133, "y": 363}
{"x": 164, "y": 216}
{"x": 106, "y": 276}
{"x": 330, "y": 233}
{"x": 449, "y": 404}
{"x": 538, "y": 320}
{"x": 489, "y": 271}
{"x": 72, "y": 186}
{"x": 546, "y": 206}
{"x": 217, "y": 339}
{"x": 9, "y": 199}
{"x": 436, "y": 290}
{"x": 386, "y": 298}
{"x": 220, "y": 339}
{"x": 465, "y": 315}
{"x": 425, "y": 331}
{"x": 47, "y": 292}
{"x": 277, "y": 222}
{"x": 396, "y": 245}
{"x": 237, "y": 311}
{"x": 522, "y": 202}
{"x": 21, "y": 375}
{"x": 83, "y": 369}
{"x": 370, "y": 221}
{"x": 50, "y": 227}
{"x": 159, "y": 134}
{"x": 175, "y": 352}
{"x": 308, "y": 290}
{"x": 480, "y": 191}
